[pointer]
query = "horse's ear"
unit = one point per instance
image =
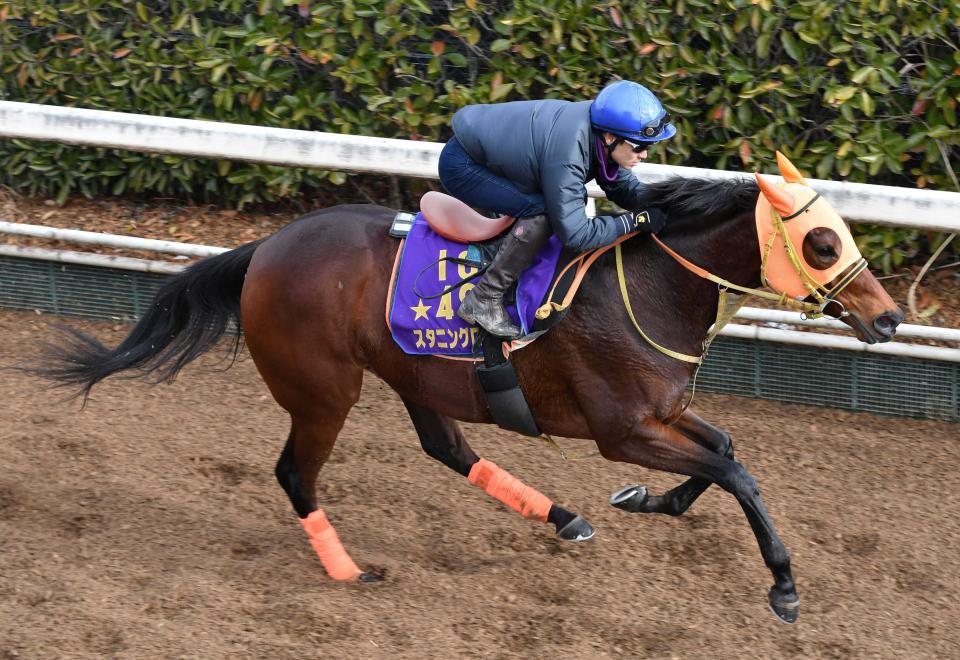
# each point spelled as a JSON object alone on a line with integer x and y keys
{"x": 779, "y": 198}
{"x": 788, "y": 170}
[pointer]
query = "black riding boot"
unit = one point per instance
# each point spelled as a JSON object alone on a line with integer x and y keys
{"x": 484, "y": 303}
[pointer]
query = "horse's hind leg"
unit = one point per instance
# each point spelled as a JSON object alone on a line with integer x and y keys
{"x": 442, "y": 439}
{"x": 676, "y": 501}
{"x": 308, "y": 448}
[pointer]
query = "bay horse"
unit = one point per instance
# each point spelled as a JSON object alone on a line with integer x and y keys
{"x": 311, "y": 298}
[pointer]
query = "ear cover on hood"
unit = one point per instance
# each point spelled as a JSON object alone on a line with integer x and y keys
{"x": 789, "y": 171}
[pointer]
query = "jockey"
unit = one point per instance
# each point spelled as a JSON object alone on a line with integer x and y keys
{"x": 532, "y": 159}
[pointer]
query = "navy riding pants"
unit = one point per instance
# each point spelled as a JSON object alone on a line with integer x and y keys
{"x": 479, "y": 187}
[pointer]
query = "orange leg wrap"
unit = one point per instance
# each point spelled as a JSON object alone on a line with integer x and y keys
{"x": 323, "y": 538}
{"x": 502, "y": 485}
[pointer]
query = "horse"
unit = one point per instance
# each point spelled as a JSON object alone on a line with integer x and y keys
{"x": 310, "y": 300}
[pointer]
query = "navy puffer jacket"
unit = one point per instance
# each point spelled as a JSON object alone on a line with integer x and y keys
{"x": 548, "y": 147}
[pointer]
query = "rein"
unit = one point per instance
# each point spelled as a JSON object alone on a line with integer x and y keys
{"x": 722, "y": 285}
{"x": 723, "y": 315}
{"x": 779, "y": 298}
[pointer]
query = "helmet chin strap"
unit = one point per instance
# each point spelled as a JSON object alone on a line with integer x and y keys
{"x": 608, "y": 147}
{"x": 613, "y": 145}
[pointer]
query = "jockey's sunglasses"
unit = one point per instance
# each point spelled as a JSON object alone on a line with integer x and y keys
{"x": 636, "y": 148}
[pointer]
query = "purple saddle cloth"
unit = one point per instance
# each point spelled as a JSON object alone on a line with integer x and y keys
{"x": 424, "y": 323}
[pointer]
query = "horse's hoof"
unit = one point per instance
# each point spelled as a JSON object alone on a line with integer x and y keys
{"x": 576, "y": 530}
{"x": 631, "y": 498}
{"x": 370, "y": 578}
{"x": 786, "y": 607}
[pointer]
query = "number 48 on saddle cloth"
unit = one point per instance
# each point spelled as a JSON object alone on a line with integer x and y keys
{"x": 425, "y": 296}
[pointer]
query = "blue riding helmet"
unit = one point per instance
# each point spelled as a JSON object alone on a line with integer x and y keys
{"x": 631, "y": 111}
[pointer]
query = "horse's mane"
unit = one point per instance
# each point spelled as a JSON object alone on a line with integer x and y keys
{"x": 701, "y": 200}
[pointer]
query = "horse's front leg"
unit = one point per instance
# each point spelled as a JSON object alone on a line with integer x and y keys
{"x": 676, "y": 501}
{"x": 652, "y": 444}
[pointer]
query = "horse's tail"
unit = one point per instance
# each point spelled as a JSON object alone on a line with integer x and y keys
{"x": 190, "y": 313}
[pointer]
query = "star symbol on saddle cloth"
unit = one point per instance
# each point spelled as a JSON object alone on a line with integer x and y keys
{"x": 421, "y": 310}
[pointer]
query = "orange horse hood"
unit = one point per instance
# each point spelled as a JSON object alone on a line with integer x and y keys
{"x": 802, "y": 210}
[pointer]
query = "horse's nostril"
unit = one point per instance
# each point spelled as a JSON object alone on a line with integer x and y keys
{"x": 886, "y": 324}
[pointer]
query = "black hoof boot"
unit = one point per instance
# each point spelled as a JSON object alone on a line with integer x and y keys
{"x": 631, "y": 498}
{"x": 371, "y": 578}
{"x": 785, "y": 606}
{"x": 576, "y": 530}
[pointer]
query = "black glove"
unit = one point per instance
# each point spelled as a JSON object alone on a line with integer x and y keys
{"x": 651, "y": 221}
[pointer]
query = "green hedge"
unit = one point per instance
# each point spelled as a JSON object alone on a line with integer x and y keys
{"x": 864, "y": 91}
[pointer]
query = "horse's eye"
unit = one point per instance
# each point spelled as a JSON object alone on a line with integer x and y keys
{"x": 821, "y": 247}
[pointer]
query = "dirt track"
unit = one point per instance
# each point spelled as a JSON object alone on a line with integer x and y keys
{"x": 150, "y": 525}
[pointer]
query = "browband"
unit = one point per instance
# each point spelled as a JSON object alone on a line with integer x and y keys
{"x": 802, "y": 208}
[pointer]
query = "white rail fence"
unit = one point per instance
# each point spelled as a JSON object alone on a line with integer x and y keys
{"x": 857, "y": 202}
{"x": 885, "y": 205}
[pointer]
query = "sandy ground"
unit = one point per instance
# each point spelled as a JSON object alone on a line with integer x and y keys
{"x": 149, "y": 525}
